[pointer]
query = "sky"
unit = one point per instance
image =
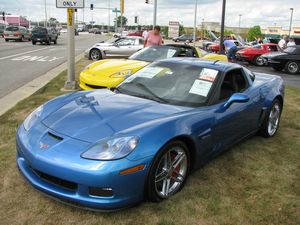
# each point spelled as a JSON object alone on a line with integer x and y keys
{"x": 254, "y": 12}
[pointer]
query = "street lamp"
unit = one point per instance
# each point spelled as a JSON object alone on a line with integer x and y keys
{"x": 195, "y": 21}
{"x": 292, "y": 12}
{"x": 222, "y": 27}
{"x": 45, "y": 24}
{"x": 154, "y": 13}
{"x": 240, "y": 17}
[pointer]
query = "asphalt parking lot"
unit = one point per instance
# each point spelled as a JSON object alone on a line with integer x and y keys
{"x": 21, "y": 62}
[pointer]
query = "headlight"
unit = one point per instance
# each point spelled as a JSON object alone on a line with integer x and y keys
{"x": 121, "y": 74}
{"x": 111, "y": 148}
{"x": 32, "y": 118}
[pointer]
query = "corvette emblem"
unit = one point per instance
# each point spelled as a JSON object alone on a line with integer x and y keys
{"x": 43, "y": 146}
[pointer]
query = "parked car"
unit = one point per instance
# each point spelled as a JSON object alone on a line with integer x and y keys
{"x": 109, "y": 149}
{"x": 44, "y": 35}
{"x": 287, "y": 60}
{"x": 122, "y": 48}
{"x": 64, "y": 31}
{"x": 124, "y": 33}
{"x": 184, "y": 38}
{"x": 254, "y": 54}
{"x": 216, "y": 47}
{"x": 111, "y": 72}
{"x": 2, "y": 29}
{"x": 137, "y": 33}
{"x": 16, "y": 33}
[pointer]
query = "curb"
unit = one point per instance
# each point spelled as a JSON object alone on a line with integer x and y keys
{"x": 11, "y": 99}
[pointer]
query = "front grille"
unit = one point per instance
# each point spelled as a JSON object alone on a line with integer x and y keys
{"x": 95, "y": 86}
{"x": 57, "y": 181}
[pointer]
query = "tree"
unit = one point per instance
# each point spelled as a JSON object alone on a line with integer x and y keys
{"x": 124, "y": 21}
{"x": 53, "y": 21}
{"x": 181, "y": 29}
{"x": 254, "y": 33}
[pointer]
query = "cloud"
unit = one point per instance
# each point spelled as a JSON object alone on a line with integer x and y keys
{"x": 264, "y": 13}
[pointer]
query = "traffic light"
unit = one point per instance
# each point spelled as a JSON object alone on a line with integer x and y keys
{"x": 76, "y": 10}
{"x": 92, "y": 6}
{"x": 122, "y": 6}
{"x": 3, "y": 15}
{"x": 147, "y": 1}
{"x": 135, "y": 19}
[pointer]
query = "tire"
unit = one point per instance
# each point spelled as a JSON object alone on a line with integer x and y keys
{"x": 159, "y": 179}
{"x": 22, "y": 39}
{"x": 258, "y": 61}
{"x": 55, "y": 41}
{"x": 292, "y": 67}
{"x": 48, "y": 42}
{"x": 6, "y": 40}
{"x": 33, "y": 42}
{"x": 95, "y": 54}
{"x": 277, "y": 68}
{"x": 271, "y": 122}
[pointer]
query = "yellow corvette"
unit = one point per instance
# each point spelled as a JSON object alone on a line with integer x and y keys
{"x": 109, "y": 73}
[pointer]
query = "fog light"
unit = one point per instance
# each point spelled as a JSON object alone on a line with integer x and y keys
{"x": 101, "y": 192}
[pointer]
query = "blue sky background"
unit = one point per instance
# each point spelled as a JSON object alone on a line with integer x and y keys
{"x": 264, "y": 13}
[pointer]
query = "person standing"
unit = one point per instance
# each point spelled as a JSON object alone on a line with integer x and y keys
{"x": 282, "y": 42}
{"x": 291, "y": 43}
{"x": 154, "y": 37}
{"x": 231, "y": 50}
{"x": 145, "y": 33}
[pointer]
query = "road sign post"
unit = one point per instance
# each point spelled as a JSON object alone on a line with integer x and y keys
{"x": 70, "y": 5}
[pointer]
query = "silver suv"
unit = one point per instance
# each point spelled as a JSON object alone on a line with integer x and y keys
{"x": 16, "y": 33}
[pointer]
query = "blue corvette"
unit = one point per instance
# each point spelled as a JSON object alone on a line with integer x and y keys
{"x": 108, "y": 149}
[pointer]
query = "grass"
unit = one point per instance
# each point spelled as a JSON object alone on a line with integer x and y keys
{"x": 256, "y": 182}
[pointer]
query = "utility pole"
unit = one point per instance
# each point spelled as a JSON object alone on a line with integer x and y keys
{"x": 71, "y": 83}
{"x": 222, "y": 27}
{"x": 46, "y": 23}
{"x": 291, "y": 21}
{"x": 195, "y": 21}
{"x": 240, "y": 17}
{"x": 108, "y": 15}
{"x": 154, "y": 13}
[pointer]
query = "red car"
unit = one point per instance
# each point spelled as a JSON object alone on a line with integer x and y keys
{"x": 138, "y": 33}
{"x": 216, "y": 47}
{"x": 253, "y": 54}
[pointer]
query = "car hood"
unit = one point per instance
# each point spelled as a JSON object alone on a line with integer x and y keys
{"x": 103, "y": 69}
{"x": 98, "y": 114}
{"x": 273, "y": 54}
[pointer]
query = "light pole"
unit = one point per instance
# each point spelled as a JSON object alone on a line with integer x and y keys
{"x": 240, "y": 17}
{"x": 154, "y": 13}
{"x": 195, "y": 21}
{"x": 45, "y": 24}
{"x": 109, "y": 15}
{"x": 222, "y": 27}
{"x": 292, "y": 12}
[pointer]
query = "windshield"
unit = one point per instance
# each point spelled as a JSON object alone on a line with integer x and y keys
{"x": 154, "y": 53}
{"x": 12, "y": 29}
{"x": 39, "y": 31}
{"x": 172, "y": 83}
{"x": 290, "y": 50}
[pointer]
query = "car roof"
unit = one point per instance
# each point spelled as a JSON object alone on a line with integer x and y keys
{"x": 180, "y": 46}
{"x": 210, "y": 64}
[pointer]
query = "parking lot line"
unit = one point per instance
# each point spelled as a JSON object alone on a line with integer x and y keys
{"x": 23, "y": 53}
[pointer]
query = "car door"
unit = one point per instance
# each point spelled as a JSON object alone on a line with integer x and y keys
{"x": 123, "y": 48}
{"x": 240, "y": 119}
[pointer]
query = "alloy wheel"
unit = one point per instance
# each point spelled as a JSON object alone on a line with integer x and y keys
{"x": 171, "y": 172}
{"x": 274, "y": 118}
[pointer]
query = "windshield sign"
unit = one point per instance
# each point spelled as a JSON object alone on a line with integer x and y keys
{"x": 172, "y": 83}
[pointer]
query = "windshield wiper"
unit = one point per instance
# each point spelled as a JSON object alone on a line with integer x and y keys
{"x": 156, "y": 97}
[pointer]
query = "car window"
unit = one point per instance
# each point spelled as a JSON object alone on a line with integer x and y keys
{"x": 234, "y": 82}
{"x": 126, "y": 42}
{"x": 257, "y": 46}
{"x": 12, "y": 29}
{"x": 273, "y": 48}
{"x": 172, "y": 83}
{"x": 290, "y": 50}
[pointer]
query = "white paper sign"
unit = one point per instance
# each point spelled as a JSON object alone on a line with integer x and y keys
{"x": 171, "y": 53}
{"x": 70, "y": 4}
{"x": 201, "y": 87}
{"x": 148, "y": 72}
{"x": 208, "y": 74}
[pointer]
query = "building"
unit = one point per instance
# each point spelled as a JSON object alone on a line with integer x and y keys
{"x": 15, "y": 20}
{"x": 278, "y": 31}
{"x": 216, "y": 27}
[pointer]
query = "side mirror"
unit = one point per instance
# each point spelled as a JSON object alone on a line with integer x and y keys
{"x": 236, "y": 98}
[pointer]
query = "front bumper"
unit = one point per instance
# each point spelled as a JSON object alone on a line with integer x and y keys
{"x": 71, "y": 181}
{"x": 88, "y": 82}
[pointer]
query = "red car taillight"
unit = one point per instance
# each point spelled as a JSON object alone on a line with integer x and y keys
{"x": 17, "y": 34}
